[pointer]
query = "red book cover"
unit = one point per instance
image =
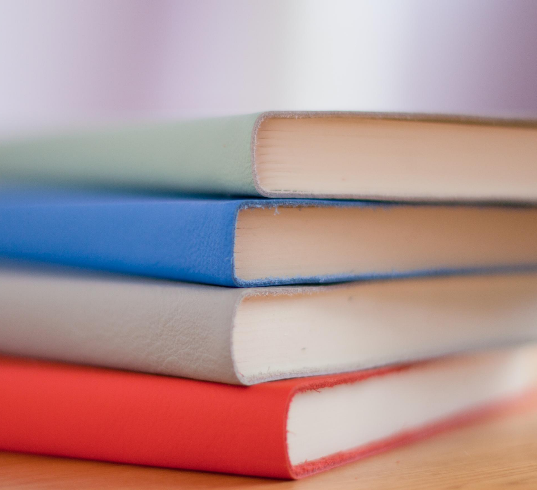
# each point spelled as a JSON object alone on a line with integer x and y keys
{"x": 102, "y": 414}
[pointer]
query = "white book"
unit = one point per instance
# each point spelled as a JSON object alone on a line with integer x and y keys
{"x": 252, "y": 335}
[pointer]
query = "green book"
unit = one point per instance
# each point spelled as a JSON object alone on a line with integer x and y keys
{"x": 303, "y": 154}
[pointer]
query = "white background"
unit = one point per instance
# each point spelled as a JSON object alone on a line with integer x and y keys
{"x": 72, "y": 62}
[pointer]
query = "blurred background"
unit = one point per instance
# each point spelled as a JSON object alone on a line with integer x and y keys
{"x": 85, "y": 62}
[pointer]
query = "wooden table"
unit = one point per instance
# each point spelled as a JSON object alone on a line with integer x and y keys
{"x": 499, "y": 453}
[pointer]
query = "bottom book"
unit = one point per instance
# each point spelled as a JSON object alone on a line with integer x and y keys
{"x": 282, "y": 429}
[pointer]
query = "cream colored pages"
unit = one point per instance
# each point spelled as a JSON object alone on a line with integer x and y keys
{"x": 390, "y": 156}
{"x": 323, "y": 330}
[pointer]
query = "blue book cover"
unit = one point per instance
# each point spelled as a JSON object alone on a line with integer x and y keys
{"x": 260, "y": 242}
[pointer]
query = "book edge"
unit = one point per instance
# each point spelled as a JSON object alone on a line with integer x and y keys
{"x": 510, "y": 405}
{"x": 393, "y": 116}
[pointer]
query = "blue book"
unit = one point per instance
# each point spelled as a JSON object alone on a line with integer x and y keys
{"x": 260, "y": 242}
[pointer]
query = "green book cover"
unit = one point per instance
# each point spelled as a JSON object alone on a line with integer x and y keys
{"x": 198, "y": 156}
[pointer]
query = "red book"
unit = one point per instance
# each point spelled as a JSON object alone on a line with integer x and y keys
{"x": 282, "y": 429}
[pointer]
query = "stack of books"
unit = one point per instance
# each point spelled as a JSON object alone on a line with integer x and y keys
{"x": 268, "y": 295}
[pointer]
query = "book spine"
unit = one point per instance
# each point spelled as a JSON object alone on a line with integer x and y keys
{"x": 200, "y": 156}
{"x": 182, "y": 240}
{"x": 135, "y": 324}
{"x": 125, "y": 417}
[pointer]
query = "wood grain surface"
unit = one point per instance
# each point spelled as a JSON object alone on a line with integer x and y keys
{"x": 498, "y": 453}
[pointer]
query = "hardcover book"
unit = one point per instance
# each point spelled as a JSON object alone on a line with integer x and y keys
{"x": 285, "y": 429}
{"x": 247, "y": 336}
{"x": 297, "y": 154}
{"x": 234, "y": 242}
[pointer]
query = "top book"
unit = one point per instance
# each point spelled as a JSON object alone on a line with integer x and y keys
{"x": 297, "y": 154}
